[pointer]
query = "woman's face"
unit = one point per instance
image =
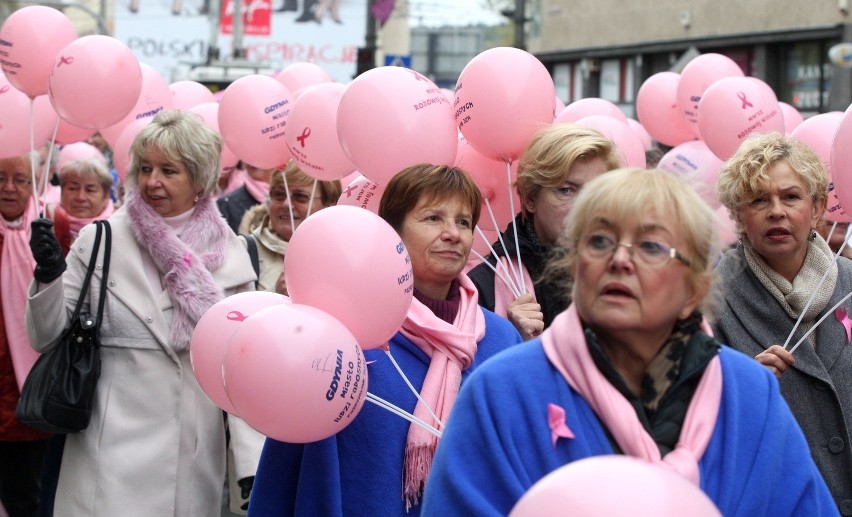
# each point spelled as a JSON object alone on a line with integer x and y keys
{"x": 165, "y": 185}
{"x": 15, "y": 187}
{"x": 279, "y": 208}
{"x": 82, "y": 196}
{"x": 438, "y": 235}
{"x": 779, "y": 220}
{"x": 550, "y": 205}
{"x": 624, "y": 296}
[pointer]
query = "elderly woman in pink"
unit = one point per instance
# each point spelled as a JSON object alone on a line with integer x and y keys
{"x": 85, "y": 187}
{"x": 21, "y": 449}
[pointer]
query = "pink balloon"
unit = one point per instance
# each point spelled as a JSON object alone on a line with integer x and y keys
{"x": 15, "y": 108}
{"x": 590, "y": 106}
{"x": 362, "y": 193}
{"x": 295, "y": 374}
{"x": 121, "y": 149}
{"x": 350, "y": 263}
{"x": 734, "y": 107}
{"x": 641, "y": 132}
{"x": 696, "y": 163}
{"x": 792, "y": 117}
{"x": 841, "y": 161}
{"x": 154, "y": 98}
{"x": 494, "y": 184}
{"x": 188, "y": 94}
{"x": 79, "y": 151}
{"x": 504, "y": 96}
{"x": 644, "y": 489}
{"x": 95, "y": 82}
{"x": 312, "y": 134}
{"x": 209, "y": 113}
{"x": 390, "y": 118}
{"x": 301, "y": 75}
{"x": 253, "y": 116}
{"x": 818, "y": 133}
{"x": 625, "y": 139}
{"x": 32, "y": 37}
{"x": 212, "y": 334}
{"x": 696, "y": 77}
{"x": 658, "y": 109}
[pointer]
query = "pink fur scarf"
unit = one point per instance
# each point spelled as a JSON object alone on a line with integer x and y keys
{"x": 184, "y": 262}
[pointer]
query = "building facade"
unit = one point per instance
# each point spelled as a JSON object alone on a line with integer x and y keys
{"x": 607, "y": 48}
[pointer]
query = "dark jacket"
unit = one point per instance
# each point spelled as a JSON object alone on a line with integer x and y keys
{"x": 552, "y": 298}
{"x": 234, "y": 205}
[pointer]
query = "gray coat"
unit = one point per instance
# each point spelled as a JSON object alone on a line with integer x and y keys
{"x": 156, "y": 442}
{"x": 818, "y": 387}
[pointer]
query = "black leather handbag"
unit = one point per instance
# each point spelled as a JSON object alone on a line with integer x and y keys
{"x": 58, "y": 392}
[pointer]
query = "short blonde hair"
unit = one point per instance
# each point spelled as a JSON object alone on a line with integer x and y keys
{"x": 622, "y": 194}
{"x": 182, "y": 137}
{"x": 742, "y": 175}
{"x": 552, "y": 152}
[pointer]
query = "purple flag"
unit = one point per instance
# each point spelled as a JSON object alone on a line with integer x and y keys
{"x": 382, "y": 10}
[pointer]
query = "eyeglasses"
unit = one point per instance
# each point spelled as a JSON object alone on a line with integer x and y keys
{"x": 296, "y": 197}
{"x": 597, "y": 246}
{"x": 20, "y": 182}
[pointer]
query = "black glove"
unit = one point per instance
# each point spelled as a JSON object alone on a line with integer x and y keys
{"x": 46, "y": 251}
{"x": 245, "y": 490}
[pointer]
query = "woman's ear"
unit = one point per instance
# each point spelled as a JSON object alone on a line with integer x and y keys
{"x": 699, "y": 289}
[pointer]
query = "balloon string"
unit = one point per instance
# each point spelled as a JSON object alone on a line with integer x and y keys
{"x": 831, "y": 232}
{"x": 311, "y": 202}
{"x": 404, "y": 414}
{"x": 33, "y": 165}
{"x": 507, "y": 281}
{"x": 289, "y": 206}
{"x": 413, "y": 389}
{"x": 811, "y": 299}
{"x": 827, "y": 314}
{"x": 521, "y": 283}
{"x": 45, "y": 178}
{"x": 500, "y": 239}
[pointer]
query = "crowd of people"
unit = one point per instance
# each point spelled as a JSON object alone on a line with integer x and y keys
{"x": 609, "y": 319}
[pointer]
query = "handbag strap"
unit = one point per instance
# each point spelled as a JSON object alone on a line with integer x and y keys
{"x": 89, "y": 270}
{"x": 105, "y": 270}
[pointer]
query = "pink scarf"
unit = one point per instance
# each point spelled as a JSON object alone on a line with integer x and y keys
{"x": 16, "y": 274}
{"x": 259, "y": 190}
{"x": 450, "y": 349}
{"x": 185, "y": 262}
{"x": 75, "y": 224}
{"x": 565, "y": 347}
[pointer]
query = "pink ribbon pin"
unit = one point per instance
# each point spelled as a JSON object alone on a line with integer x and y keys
{"x": 348, "y": 190}
{"x": 65, "y": 61}
{"x": 843, "y": 317}
{"x": 4, "y": 89}
{"x": 556, "y": 421}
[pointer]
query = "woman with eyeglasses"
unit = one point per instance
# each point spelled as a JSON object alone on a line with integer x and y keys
{"x": 292, "y": 199}
{"x": 554, "y": 166}
{"x": 781, "y": 272}
{"x": 629, "y": 368}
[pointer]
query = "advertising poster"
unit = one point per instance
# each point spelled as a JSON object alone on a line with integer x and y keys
{"x": 174, "y": 35}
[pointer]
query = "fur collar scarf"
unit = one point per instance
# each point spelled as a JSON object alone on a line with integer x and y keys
{"x": 184, "y": 261}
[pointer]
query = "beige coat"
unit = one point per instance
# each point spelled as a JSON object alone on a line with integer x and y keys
{"x": 156, "y": 443}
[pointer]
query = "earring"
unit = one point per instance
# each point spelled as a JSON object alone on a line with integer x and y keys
{"x": 813, "y": 234}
